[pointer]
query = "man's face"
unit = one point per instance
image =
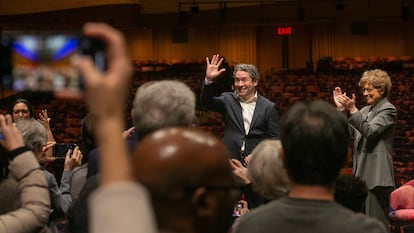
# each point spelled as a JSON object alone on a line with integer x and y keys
{"x": 371, "y": 94}
{"x": 244, "y": 86}
{"x": 20, "y": 111}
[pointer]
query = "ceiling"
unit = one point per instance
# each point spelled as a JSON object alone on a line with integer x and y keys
{"x": 148, "y": 13}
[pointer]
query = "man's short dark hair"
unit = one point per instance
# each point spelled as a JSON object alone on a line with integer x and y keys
{"x": 351, "y": 192}
{"x": 315, "y": 138}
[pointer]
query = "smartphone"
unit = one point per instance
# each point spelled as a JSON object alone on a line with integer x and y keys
{"x": 59, "y": 150}
{"x": 41, "y": 62}
{"x": 236, "y": 210}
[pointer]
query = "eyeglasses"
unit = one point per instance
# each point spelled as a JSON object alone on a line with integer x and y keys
{"x": 369, "y": 89}
{"x": 23, "y": 111}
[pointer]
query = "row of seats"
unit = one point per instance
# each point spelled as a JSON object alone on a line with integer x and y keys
{"x": 285, "y": 88}
{"x": 326, "y": 64}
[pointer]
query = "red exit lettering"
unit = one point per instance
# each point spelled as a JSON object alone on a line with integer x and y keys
{"x": 284, "y": 31}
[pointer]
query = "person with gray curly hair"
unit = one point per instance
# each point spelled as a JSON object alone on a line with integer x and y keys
{"x": 35, "y": 138}
{"x": 162, "y": 103}
{"x": 266, "y": 171}
{"x": 265, "y": 174}
{"x": 373, "y": 127}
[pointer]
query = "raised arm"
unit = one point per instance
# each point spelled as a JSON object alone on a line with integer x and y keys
{"x": 45, "y": 121}
{"x": 208, "y": 91}
{"x": 106, "y": 96}
{"x": 212, "y": 68}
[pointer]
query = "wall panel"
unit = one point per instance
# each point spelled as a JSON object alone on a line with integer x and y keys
{"x": 260, "y": 45}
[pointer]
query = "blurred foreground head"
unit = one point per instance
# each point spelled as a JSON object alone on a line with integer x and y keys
{"x": 315, "y": 138}
{"x": 160, "y": 104}
{"x": 189, "y": 179}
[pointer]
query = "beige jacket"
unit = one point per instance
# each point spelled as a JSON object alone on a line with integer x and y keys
{"x": 34, "y": 212}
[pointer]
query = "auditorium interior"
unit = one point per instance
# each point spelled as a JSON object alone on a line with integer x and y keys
{"x": 303, "y": 49}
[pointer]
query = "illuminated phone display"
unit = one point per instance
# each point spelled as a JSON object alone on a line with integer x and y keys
{"x": 41, "y": 62}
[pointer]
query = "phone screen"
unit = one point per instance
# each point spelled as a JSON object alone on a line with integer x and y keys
{"x": 60, "y": 149}
{"x": 41, "y": 62}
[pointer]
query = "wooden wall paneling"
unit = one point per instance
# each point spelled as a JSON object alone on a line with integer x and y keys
{"x": 260, "y": 45}
{"x": 388, "y": 39}
{"x": 408, "y": 38}
{"x": 269, "y": 50}
{"x": 323, "y": 41}
{"x": 299, "y": 47}
{"x": 140, "y": 44}
{"x": 238, "y": 44}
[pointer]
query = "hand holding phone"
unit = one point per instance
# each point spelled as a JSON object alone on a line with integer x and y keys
{"x": 59, "y": 150}
{"x": 41, "y": 62}
{"x": 73, "y": 160}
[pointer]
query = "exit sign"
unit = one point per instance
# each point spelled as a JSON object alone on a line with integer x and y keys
{"x": 284, "y": 31}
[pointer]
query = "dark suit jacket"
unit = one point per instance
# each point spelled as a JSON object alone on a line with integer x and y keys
{"x": 265, "y": 121}
{"x": 374, "y": 134}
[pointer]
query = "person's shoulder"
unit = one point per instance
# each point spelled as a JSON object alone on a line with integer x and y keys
{"x": 80, "y": 168}
{"x": 358, "y": 222}
{"x": 388, "y": 104}
{"x": 260, "y": 212}
{"x": 335, "y": 217}
{"x": 346, "y": 220}
{"x": 228, "y": 95}
{"x": 80, "y": 171}
{"x": 264, "y": 99}
{"x": 261, "y": 218}
{"x": 48, "y": 174}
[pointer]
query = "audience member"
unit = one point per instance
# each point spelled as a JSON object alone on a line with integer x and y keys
{"x": 265, "y": 174}
{"x": 248, "y": 116}
{"x": 34, "y": 203}
{"x": 34, "y": 135}
{"x": 190, "y": 181}
{"x": 373, "y": 127}
{"x": 314, "y": 138}
{"x": 106, "y": 95}
{"x": 156, "y": 105}
{"x": 87, "y": 139}
{"x": 22, "y": 109}
{"x": 351, "y": 192}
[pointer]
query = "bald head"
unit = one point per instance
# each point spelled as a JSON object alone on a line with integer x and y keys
{"x": 178, "y": 157}
{"x": 188, "y": 176}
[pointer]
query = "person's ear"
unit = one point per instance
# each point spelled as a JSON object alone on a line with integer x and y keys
{"x": 202, "y": 203}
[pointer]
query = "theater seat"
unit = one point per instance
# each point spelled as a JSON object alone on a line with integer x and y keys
{"x": 402, "y": 208}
